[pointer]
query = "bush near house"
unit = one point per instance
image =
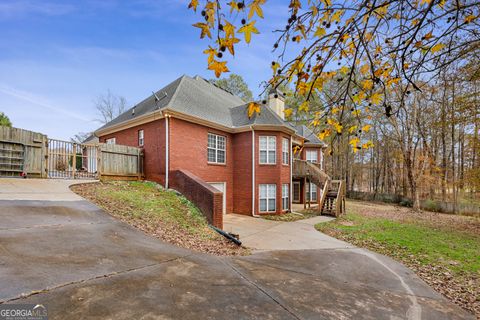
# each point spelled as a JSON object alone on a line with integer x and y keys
{"x": 161, "y": 213}
{"x": 442, "y": 249}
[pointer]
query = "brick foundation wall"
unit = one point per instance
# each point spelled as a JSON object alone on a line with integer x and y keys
{"x": 208, "y": 199}
{"x": 188, "y": 151}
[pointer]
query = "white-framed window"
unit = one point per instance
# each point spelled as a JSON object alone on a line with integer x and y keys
{"x": 111, "y": 141}
{"x": 268, "y": 149}
{"x": 285, "y": 151}
{"x": 216, "y": 148}
{"x": 311, "y": 192}
{"x": 285, "y": 196}
{"x": 141, "y": 138}
{"x": 312, "y": 156}
{"x": 268, "y": 197}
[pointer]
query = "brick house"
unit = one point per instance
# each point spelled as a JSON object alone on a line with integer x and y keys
{"x": 198, "y": 139}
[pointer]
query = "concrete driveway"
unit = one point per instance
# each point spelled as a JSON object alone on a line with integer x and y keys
{"x": 81, "y": 263}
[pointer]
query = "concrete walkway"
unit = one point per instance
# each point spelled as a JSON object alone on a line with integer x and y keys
{"x": 81, "y": 263}
{"x": 263, "y": 235}
{"x": 39, "y": 189}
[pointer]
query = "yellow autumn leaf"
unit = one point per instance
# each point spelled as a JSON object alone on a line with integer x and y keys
{"x": 335, "y": 110}
{"x": 288, "y": 112}
{"x": 193, "y": 4}
{"x": 366, "y": 128}
{"x": 304, "y": 106}
{"x": 368, "y": 144}
{"x": 364, "y": 69}
{"x": 205, "y": 29}
{"x": 219, "y": 67}
{"x": 356, "y": 113}
{"x": 376, "y": 98}
{"x": 437, "y": 47}
{"x": 233, "y": 6}
{"x": 337, "y": 15}
{"x": 469, "y": 18}
{"x": 319, "y": 32}
{"x": 367, "y": 85}
{"x": 252, "y": 108}
{"x": 255, "y": 8}
{"x": 247, "y": 30}
{"x": 354, "y": 143}
{"x": 229, "y": 29}
{"x": 324, "y": 133}
{"x": 428, "y": 36}
{"x": 211, "y": 54}
{"x": 352, "y": 129}
{"x": 229, "y": 43}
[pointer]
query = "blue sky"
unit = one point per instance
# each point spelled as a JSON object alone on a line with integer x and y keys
{"x": 57, "y": 56}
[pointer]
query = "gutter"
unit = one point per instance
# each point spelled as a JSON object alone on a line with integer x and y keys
{"x": 253, "y": 173}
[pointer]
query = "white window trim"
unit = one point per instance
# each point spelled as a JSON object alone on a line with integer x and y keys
{"x": 312, "y": 186}
{"x": 310, "y": 152}
{"x": 285, "y": 151}
{"x": 267, "y": 150}
{"x": 111, "y": 141}
{"x": 286, "y": 196}
{"x": 267, "y": 198}
{"x": 141, "y": 138}
{"x": 216, "y": 148}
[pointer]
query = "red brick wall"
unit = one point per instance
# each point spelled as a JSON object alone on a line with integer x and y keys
{"x": 208, "y": 199}
{"x": 242, "y": 179}
{"x": 154, "y": 147}
{"x": 271, "y": 174}
{"x": 188, "y": 151}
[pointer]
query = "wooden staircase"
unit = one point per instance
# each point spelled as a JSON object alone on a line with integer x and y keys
{"x": 333, "y": 198}
{"x": 332, "y": 201}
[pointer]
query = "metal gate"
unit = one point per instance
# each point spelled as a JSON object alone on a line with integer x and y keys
{"x": 69, "y": 160}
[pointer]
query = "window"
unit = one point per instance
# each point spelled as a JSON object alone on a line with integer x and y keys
{"x": 311, "y": 192}
{"x": 312, "y": 156}
{"x": 285, "y": 150}
{"x": 110, "y": 141}
{"x": 268, "y": 194}
{"x": 140, "y": 138}
{"x": 285, "y": 197}
{"x": 216, "y": 148}
{"x": 268, "y": 146}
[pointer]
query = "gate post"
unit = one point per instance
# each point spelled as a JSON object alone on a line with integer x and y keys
{"x": 74, "y": 161}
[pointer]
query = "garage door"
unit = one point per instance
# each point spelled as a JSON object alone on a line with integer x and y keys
{"x": 221, "y": 186}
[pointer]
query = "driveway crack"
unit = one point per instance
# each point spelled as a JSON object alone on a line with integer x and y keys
{"x": 107, "y": 275}
{"x": 262, "y": 290}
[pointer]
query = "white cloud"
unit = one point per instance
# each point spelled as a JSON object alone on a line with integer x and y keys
{"x": 26, "y": 7}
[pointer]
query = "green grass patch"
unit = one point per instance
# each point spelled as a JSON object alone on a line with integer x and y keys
{"x": 458, "y": 251}
{"x": 150, "y": 203}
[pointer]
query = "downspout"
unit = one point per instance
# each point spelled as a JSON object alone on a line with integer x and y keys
{"x": 167, "y": 149}
{"x": 253, "y": 173}
{"x": 291, "y": 175}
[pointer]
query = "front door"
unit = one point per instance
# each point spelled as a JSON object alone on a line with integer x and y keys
{"x": 296, "y": 191}
{"x": 222, "y": 187}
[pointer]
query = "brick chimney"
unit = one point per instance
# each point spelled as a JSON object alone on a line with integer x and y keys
{"x": 276, "y": 102}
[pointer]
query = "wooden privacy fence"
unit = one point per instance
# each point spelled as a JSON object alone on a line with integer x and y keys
{"x": 120, "y": 162}
{"x": 22, "y": 152}
{"x": 31, "y": 153}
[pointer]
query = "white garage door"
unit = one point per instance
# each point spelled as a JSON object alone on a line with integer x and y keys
{"x": 221, "y": 186}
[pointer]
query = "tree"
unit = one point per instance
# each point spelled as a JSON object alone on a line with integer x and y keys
{"x": 4, "y": 120}
{"x": 109, "y": 106}
{"x": 80, "y": 137}
{"x": 236, "y": 85}
{"x": 376, "y": 50}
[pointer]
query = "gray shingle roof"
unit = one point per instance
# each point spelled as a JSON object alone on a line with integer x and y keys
{"x": 199, "y": 98}
{"x": 308, "y": 134}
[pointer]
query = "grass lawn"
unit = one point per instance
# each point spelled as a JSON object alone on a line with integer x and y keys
{"x": 158, "y": 212}
{"x": 443, "y": 250}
